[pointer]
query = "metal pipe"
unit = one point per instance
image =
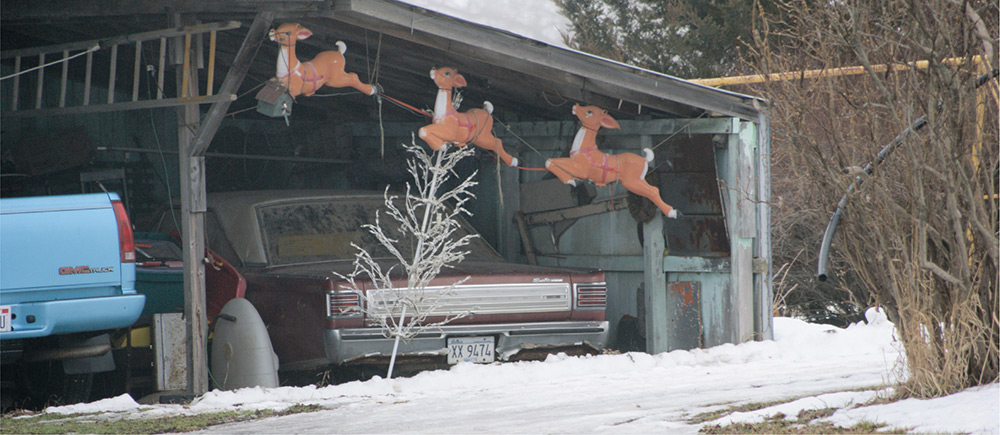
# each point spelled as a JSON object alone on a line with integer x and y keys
{"x": 831, "y": 228}
{"x": 68, "y": 353}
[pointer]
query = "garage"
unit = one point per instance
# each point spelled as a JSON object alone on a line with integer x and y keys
{"x": 166, "y": 101}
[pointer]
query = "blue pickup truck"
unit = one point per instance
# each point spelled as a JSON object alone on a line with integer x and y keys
{"x": 67, "y": 278}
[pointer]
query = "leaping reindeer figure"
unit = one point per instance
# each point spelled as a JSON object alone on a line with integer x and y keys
{"x": 327, "y": 68}
{"x": 589, "y": 163}
{"x": 450, "y": 126}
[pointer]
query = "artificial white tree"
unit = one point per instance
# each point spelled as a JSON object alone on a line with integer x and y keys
{"x": 428, "y": 239}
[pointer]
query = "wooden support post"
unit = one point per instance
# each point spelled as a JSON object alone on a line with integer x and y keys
{"x": 522, "y": 229}
{"x": 193, "y": 207}
{"x": 655, "y": 283}
{"x": 742, "y": 228}
{"x": 763, "y": 282}
{"x": 193, "y": 194}
{"x": 241, "y": 64}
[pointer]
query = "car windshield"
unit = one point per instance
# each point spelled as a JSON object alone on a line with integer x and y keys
{"x": 323, "y": 230}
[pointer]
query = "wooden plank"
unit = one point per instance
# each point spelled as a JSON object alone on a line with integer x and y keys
{"x": 159, "y": 71}
{"x": 655, "y": 283}
{"x": 41, "y": 82}
{"x": 747, "y": 174}
{"x": 763, "y": 281}
{"x": 17, "y": 83}
{"x": 113, "y": 74}
{"x": 128, "y": 105}
{"x": 634, "y": 263}
{"x": 62, "y": 9}
{"x": 136, "y": 67}
{"x": 63, "y": 79}
{"x": 256, "y": 35}
{"x": 548, "y": 217}
{"x": 104, "y": 43}
{"x": 87, "y": 76}
{"x": 740, "y": 298}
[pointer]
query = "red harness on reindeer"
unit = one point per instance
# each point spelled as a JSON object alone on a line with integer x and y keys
{"x": 466, "y": 121}
{"x": 316, "y": 76}
{"x": 602, "y": 166}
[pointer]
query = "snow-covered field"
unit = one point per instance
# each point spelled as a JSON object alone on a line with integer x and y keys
{"x": 806, "y": 366}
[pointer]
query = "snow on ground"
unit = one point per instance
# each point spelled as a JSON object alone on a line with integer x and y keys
{"x": 806, "y": 366}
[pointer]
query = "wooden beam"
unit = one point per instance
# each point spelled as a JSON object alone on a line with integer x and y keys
{"x": 106, "y": 42}
{"x": 655, "y": 283}
{"x": 238, "y": 70}
{"x": 37, "y": 10}
{"x": 129, "y": 105}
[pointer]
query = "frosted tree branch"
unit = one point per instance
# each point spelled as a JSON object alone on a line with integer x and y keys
{"x": 423, "y": 243}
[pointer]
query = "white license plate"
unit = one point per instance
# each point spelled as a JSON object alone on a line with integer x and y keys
{"x": 5, "y": 318}
{"x": 470, "y": 349}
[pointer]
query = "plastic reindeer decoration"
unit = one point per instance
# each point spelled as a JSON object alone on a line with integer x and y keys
{"x": 326, "y": 69}
{"x": 450, "y": 126}
{"x": 589, "y": 163}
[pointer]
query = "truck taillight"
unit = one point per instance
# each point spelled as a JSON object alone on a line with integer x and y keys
{"x": 343, "y": 303}
{"x": 591, "y": 296}
{"x": 126, "y": 242}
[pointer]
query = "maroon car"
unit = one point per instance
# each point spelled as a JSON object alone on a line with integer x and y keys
{"x": 289, "y": 244}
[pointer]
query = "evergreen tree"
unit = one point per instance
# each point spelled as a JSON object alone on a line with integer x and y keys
{"x": 684, "y": 38}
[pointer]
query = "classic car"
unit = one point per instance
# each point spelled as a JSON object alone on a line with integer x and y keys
{"x": 290, "y": 247}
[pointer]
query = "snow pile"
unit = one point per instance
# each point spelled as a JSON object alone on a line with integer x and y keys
{"x": 123, "y": 403}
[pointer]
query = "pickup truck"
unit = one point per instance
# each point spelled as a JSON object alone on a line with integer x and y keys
{"x": 291, "y": 245}
{"x": 67, "y": 278}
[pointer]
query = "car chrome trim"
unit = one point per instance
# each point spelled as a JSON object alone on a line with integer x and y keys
{"x": 478, "y": 299}
{"x": 345, "y": 345}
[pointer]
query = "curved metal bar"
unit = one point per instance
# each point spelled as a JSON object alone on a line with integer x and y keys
{"x": 831, "y": 228}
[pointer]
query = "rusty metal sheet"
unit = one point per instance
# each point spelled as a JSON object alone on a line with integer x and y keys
{"x": 170, "y": 351}
{"x": 683, "y": 315}
{"x": 684, "y": 153}
{"x": 693, "y": 193}
{"x": 697, "y": 236}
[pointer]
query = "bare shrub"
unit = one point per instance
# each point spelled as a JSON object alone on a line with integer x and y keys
{"x": 920, "y": 234}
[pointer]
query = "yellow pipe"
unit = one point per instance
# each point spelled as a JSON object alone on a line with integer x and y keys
{"x": 818, "y": 73}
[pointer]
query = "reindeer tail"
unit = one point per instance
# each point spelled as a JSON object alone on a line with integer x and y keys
{"x": 648, "y": 154}
{"x": 341, "y": 47}
{"x": 488, "y": 106}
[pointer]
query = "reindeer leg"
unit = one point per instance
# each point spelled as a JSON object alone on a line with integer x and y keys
{"x": 641, "y": 188}
{"x": 428, "y": 134}
{"x": 494, "y": 144}
{"x": 562, "y": 168}
{"x": 355, "y": 82}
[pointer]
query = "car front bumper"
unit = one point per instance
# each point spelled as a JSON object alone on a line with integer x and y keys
{"x": 347, "y": 345}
